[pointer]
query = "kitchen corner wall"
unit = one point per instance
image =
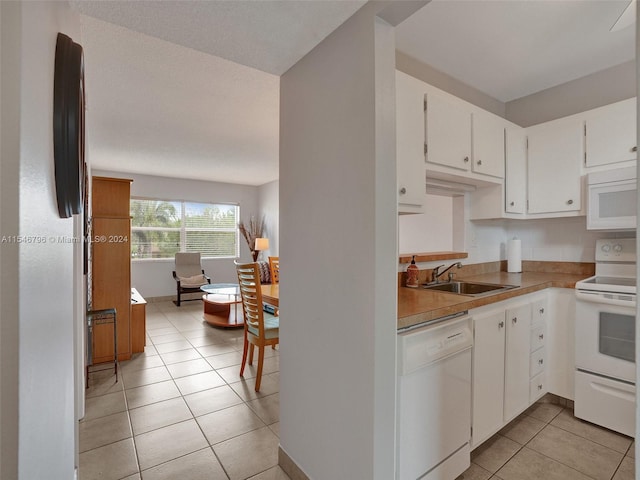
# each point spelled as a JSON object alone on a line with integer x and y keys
{"x": 431, "y": 231}
{"x": 552, "y": 239}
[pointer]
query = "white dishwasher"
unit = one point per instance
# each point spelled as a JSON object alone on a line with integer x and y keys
{"x": 434, "y": 400}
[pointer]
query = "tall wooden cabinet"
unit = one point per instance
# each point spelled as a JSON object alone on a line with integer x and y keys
{"x": 111, "y": 264}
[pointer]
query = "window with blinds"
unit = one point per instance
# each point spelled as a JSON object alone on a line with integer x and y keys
{"x": 160, "y": 228}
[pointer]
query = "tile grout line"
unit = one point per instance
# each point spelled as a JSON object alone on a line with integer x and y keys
{"x": 245, "y": 399}
{"x": 554, "y": 459}
{"x": 226, "y": 383}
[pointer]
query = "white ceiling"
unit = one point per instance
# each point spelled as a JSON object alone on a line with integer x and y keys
{"x": 190, "y": 89}
{"x": 512, "y": 48}
{"x": 157, "y": 108}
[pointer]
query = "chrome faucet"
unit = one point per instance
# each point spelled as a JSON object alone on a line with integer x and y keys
{"x": 436, "y": 273}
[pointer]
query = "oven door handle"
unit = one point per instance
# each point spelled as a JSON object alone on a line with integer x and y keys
{"x": 596, "y": 297}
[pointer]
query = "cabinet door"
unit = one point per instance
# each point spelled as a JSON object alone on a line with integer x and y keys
{"x": 555, "y": 152}
{"x": 516, "y": 170}
{"x": 488, "y": 145}
{"x": 448, "y": 133}
{"x": 410, "y": 143}
{"x": 488, "y": 374}
{"x": 516, "y": 378}
{"x": 610, "y": 134}
{"x": 112, "y": 284}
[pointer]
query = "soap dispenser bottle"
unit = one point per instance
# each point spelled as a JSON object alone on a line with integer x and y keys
{"x": 412, "y": 273}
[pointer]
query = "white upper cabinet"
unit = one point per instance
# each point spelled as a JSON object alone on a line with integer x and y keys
{"x": 488, "y": 144}
{"x": 516, "y": 171}
{"x": 610, "y": 133}
{"x": 554, "y": 158}
{"x": 448, "y": 133}
{"x": 465, "y": 139}
{"x": 410, "y": 143}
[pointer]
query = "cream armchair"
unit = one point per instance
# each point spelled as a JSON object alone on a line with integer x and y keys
{"x": 189, "y": 275}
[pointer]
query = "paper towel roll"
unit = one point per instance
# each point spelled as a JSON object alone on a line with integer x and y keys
{"x": 514, "y": 255}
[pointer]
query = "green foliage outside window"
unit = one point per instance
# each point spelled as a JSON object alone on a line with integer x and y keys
{"x": 160, "y": 228}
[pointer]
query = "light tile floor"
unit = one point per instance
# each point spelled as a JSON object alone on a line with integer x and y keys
{"x": 180, "y": 409}
{"x": 548, "y": 442}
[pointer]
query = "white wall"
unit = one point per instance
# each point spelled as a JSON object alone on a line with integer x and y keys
{"x": 10, "y": 32}
{"x": 559, "y": 239}
{"x": 44, "y": 329}
{"x": 441, "y": 80}
{"x": 595, "y": 90}
{"x": 601, "y": 88}
{"x": 553, "y": 239}
{"x": 152, "y": 278}
{"x": 431, "y": 231}
{"x": 269, "y": 205}
{"x": 338, "y": 224}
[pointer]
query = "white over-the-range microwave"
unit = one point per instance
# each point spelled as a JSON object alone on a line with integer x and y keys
{"x": 612, "y": 197}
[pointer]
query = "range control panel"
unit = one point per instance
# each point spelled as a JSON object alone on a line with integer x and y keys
{"x": 616, "y": 250}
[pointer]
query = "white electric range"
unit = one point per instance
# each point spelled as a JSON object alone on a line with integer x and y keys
{"x": 605, "y": 338}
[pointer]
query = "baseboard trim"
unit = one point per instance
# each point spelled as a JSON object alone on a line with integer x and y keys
{"x": 290, "y": 467}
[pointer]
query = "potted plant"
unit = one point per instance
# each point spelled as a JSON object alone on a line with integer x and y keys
{"x": 254, "y": 229}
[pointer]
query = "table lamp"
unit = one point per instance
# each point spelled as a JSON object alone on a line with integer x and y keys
{"x": 261, "y": 244}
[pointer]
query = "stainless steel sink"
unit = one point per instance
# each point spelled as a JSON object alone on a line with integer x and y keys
{"x": 473, "y": 289}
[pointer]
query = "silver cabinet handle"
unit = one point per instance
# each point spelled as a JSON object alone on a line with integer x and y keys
{"x": 512, "y": 203}
{"x": 569, "y": 202}
{"x": 501, "y": 325}
{"x": 514, "y": 320}
{"x": 539, "y": 387}
{"x": 634, "y": 149}
{"x": 542, "y": 310}
{"x": 540, "y": 362}
{"x": 466, "y": 159}
{"x": 479, "y": 162}
{"x": 403, "y": 190}
{"x": 541, "y": 336}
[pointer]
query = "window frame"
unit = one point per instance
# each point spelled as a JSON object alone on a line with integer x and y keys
{"x": 182, "y": 229}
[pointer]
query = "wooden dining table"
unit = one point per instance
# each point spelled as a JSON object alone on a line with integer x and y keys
{"x": 271, "y": 294}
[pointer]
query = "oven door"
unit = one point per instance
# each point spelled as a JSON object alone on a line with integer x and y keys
{"x": 605, "y": 334}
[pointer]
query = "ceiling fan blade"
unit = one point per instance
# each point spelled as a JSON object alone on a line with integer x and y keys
{"x": 627, "y": 17}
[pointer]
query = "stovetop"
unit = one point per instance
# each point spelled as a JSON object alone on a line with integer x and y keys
{"x": 613, "y": 281}
{"x": 615, "y": 267}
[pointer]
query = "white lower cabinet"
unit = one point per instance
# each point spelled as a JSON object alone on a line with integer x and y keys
{"x": 487, "y": 374}
{"x": 537, "y": 387}
{"x": 516, "y": 360}
{"x": 507, "y": 369}
{"x": 538, "y": 361}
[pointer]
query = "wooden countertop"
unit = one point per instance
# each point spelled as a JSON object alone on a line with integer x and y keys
{"x": 417, "y": 305}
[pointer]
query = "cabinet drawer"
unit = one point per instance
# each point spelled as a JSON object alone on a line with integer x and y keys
{"x": 539, "y": 311}
{"x": 538, "y": 335}
{"x": 537, "y": 387}
{"x": 537, "y": 362}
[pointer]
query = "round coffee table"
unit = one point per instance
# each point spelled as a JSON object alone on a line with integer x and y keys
{"x": 222, "y": 305}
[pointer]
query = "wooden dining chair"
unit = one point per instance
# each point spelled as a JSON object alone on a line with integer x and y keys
{"x": 274, "y": 267}
{"x": 260, "y": 328}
